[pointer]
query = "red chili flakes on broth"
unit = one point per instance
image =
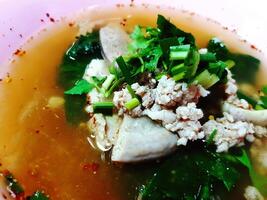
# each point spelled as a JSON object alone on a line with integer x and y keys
{"x": 94, "y": 167}
{"x": 19, "y": 52}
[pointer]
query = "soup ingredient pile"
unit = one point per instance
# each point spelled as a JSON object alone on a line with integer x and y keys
{"x": 154, "y": 92}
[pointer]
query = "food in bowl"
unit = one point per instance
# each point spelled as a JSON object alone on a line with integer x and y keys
{"x": 133, "y": 112}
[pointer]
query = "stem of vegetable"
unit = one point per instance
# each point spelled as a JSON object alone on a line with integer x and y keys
{"x": 132, "y": 104}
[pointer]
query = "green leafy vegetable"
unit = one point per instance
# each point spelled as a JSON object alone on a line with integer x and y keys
{"x": 191, "y": 174}
{"x": 38, "y": 196}
{"x": 13, "y": 184}
{"x": 246, "y": 68}
{"x": 81, "y": 87}
{"x": 244, "y": 64}
{"x": 217, "y": 47}
{"x": 168, "y": 30}
{"x": 74, "y": 108}
{"x": 124, "y": 69}
{"x": 208, "y": 57}
{"x": 71, "y": 70}
{"x": 83, "y": 50}
{"x": 259, "y": 181}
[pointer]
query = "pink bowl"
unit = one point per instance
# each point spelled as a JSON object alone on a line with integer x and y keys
{"x": 20, "y": 19}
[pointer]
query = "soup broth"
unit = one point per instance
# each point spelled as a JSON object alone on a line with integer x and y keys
{"x": 36, "y": 143}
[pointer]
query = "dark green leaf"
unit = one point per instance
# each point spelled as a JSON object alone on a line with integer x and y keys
{"x": 246, "y": 68}
{"x": 216, "y": 46}
{"x": 78, "y": 56}
{"x": 13, "y": 184}
{"x": 74, "y": 108}
{"x": 124, "y": 69}
{"x": 258, "y": 180}
{"x": 38, "y": 196}
{"x": 81, "y": 87}
{"x": 170, "y": 30}
{"x": 190, "y": 174}
{"x": 71, "y": 70}
{"x": 264, "y": 90}
{"x": 264, "y": 100}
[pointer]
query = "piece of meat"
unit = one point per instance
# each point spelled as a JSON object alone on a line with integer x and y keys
{"x": 97, "y": 67}
{"x": 104, "y": 129}
{"x": 114, "y": 41}
{"x": 258, "y": 117}
{"x": 141, "y": 139}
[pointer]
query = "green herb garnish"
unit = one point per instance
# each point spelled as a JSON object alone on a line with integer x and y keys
{"x": 191, "y": 174}
{"x": 81, "y": 87}
{"x": 13, "y": 184}
{"x": 71, "y": 71}
{"x": 132, "y": 104}
{"x": 105, "y": 108}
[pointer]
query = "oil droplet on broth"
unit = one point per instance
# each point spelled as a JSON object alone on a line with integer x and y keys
{"x": 36, "y": 144}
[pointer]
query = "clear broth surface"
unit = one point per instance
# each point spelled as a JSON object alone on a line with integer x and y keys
{"x": 36, "y": 143}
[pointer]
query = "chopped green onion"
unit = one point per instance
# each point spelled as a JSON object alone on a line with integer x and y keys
{"x": 229, "y": 63}
{"x": 249, "y": 99}
{"x": 103, "y": 107}
{"x": 108, "y": 81}
{"x": 178, "y": 55}
{"x": 208, "y": 57}
{"x": 178, "y": 69}
{"x": 206, "y": 79}
{"x": 212, "y": 136}
{"x": 192, "y": 62}
{"x": 164, "y": 65}
{"x": 132, "y": 104}
{"x": 185, "y": 47}
{"x": 179, "y": 76}
{"x": 114, "y": 86}
{"x": 124, "y": 69}
{"x": 129, "y": 88}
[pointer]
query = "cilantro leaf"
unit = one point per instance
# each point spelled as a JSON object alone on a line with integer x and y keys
{"x": 81, "y": 87}
{"x": 139, "y": 40}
